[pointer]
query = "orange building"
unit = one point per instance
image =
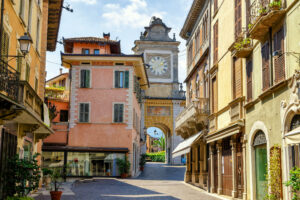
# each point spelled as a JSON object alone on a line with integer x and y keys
{"x": 104, "y": 115}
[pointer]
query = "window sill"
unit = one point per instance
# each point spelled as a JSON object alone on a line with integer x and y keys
{"x": 84, "y": 122}
{"x": 273, "y": 89}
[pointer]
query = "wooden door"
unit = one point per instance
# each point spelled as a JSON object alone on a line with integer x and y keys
{"x": 227, "y": 172}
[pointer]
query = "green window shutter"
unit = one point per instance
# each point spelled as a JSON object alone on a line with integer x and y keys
{"x": 81, "y": 111}
{"x": 87, "y": 78}
{"x": 82, "y": 78}
{"x": 121, "y": 112}
{"x": 117, "y": 78}
{"x": 115, "y": 112}
{"x": 86, "y": 113}
{"x": 126, "y": 79}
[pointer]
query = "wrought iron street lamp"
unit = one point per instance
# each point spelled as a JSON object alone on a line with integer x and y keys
{"x": 25, "y": 42}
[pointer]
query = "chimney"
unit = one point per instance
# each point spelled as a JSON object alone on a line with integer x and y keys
{"x": 106, "y": 35}
{"x": 60, "y": 70}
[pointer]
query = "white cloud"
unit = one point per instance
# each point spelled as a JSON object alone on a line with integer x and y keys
{"x": 90, "y": 2}
{"x": 134, "y": 15}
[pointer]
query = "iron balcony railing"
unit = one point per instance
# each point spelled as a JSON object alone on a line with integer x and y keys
{"x": 9, "y": 81}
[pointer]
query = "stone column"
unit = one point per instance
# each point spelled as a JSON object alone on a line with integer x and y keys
{"x": 219, "y": 151}
{"x": 212, "y": 177}
{"x": 244, "y": 168}
{"x": 188, "y": 168}
{"x": 234, "y": 172}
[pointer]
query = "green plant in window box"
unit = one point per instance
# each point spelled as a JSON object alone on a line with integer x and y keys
{"x": 262, "y": 10}
{"x": 246, "y": 42}
{"x": 238, "y": 46}
{"x": 294, "y": 183}
{"x": 250, "y": 26}
{"x": 275, "y": 5}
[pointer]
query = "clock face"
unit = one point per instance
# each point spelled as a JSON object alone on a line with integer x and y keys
{"x": 158, "y": 65}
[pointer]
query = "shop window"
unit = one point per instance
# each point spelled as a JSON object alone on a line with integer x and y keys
{"x": 52, "y": 159}
{"x": 63, "y": 116}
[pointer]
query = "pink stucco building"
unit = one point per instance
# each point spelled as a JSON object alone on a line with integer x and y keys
{"x": 105, "y": 111}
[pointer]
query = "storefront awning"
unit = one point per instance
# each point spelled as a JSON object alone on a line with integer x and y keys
{"x": 185, "y": 146}
{"x": 293, "y": 137}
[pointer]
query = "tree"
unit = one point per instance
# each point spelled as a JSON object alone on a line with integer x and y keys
{"x": 160, "y": 143}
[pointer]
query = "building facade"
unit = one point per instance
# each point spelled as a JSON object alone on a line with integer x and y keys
{"x": 192, "y": 122}
{"x": 105, "y": 110}
{"x": 164, "y": 100}
{"x": 24, "y": 117}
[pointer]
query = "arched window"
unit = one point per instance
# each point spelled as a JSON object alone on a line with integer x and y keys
{"x": 295, "y": 122}
{"x": 259, "y": 139}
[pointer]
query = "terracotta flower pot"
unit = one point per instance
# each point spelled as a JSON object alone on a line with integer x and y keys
{"x": 124, "y": 175}
{"x": 55, "y": 195}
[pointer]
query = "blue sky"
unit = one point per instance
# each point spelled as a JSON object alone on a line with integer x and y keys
{"x": 124, "y": 19}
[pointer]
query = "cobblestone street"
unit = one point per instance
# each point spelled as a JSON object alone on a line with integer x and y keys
{"x": 157, "y": 182}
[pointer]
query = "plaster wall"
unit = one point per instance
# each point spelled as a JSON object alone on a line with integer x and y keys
{"x": 77, "y": 48}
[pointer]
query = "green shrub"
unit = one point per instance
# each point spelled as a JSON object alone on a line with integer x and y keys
{"x": 157, "y": 157}
{"x": 294, "y": 182}
{"x": 19, "y": 198}
{"x": 123, "y": 165}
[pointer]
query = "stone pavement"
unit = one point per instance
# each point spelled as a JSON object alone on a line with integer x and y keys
{"x": 157, "y": 182}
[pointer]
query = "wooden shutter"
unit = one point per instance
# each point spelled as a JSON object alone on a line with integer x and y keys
{"x": 238, "y": 17}
{"x": 82, "y": 78}
{"x": 249, "y": 79}
{"x": 265, "y": 66}
{"x": 279, "y": 61}
{"x": 216, "y": 42}
{"x": 120, "y": 112}
{"x": 81, "y": 112}
{"x": 86, "y": 112}
{"x": 126, "y": 84}
{"x": 87, "y": 78}
{"x": 117, "y": 78}
{"x": 215, "y": 6}
{"x": 214, "y": 95}
{"x": 237, "y": 78}
{"x": 115, "y": 112}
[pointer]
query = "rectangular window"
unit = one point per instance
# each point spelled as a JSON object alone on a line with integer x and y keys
{"x": 63, "y": 115}
{"x": 85, "y": 51}
{"x": 238, "y": 17}
{"x": 121, "y": 79}
{"x": 62, "y": 83}
{"x": 214, "y": 95}
{"x": 279, "y": 61}
{"x": 96, "y": 51}
{"x": 27, "y": 75}
{"x": 118, "y": 113}
{"x": 265, "y": 66}
{"x": 85, "y": 78}
{"x": 36, "y": 84}
{"x": 249, "y": 79}
{"x": 237, "y": 78}
{"x": 190, "y": 54}
{"x": 84, "y": 112}
{"x": 29, "y": 16}
{"x": 38, "y": 34}
{"x": 216, "y": 42}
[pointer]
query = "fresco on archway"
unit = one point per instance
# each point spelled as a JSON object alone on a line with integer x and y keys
{"x": 158, "y": 111}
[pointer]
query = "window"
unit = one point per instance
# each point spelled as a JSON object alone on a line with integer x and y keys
{"x": 27, "y": 76}
{"x": 22, "y": 9}
{"x": 63, "y": 115}
{"x": 85, "y": 78}
{"x": 249, "y": 79}
{"x": 29, "y": 17}
{"x": 62, "y": 83}
{"x": 85, "y": 51}
{"x": 197, "y": 85}
{"x": 5, "y": 46}
{"x": 214, "y": 95}
{"x": 118, "y": 113}
{"x": 121, "y": 79}
{"x": 36, "y": 84}
{"x": 216, "y": 42}
{"x": 279, "y": 62}
{"x": 190, "y": 54}
{"x": 198, "y": 39}
{"x": 84, "y": 112}
{"x": 96, "y": 51}
{"x": 238, "y": 17}
{"x": 237, "y": 78}
{"x": 265, "y": 66}
{"x": 37, "y": 34}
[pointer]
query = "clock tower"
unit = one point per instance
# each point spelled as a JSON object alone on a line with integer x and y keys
{"x": 164, "y": 99}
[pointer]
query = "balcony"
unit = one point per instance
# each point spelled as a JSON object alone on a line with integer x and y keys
{"x": 193, "y": 115}
{"x": 242, "y": 48}
{"x": 9, "y": 81}
{"x": 57, "y": 93}
{"x": 263, "y": 15}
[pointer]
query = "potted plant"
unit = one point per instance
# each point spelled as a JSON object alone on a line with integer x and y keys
{"x": 262, "y": 11}
{"x": 124, "y": 166}
{"x": 46, "y": 176}
{"x": 56, "y": 179}
{"x": 275, "y": 5}
{"x": 246, "y": 42}
{"x": 142, "y": 162}
{"x": 250, "y": 26}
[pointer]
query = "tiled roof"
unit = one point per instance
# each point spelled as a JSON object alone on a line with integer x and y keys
{"x": 89, "y": 39}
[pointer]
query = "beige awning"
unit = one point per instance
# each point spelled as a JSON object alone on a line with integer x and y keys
{"x": 292, "y": 137}
{"x": 185, "y": 146}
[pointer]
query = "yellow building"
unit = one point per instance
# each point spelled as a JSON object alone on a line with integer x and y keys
{"x": 272, "y": 100}
{"x": 192, "y": 122}
{"x": 23, "y": 115}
